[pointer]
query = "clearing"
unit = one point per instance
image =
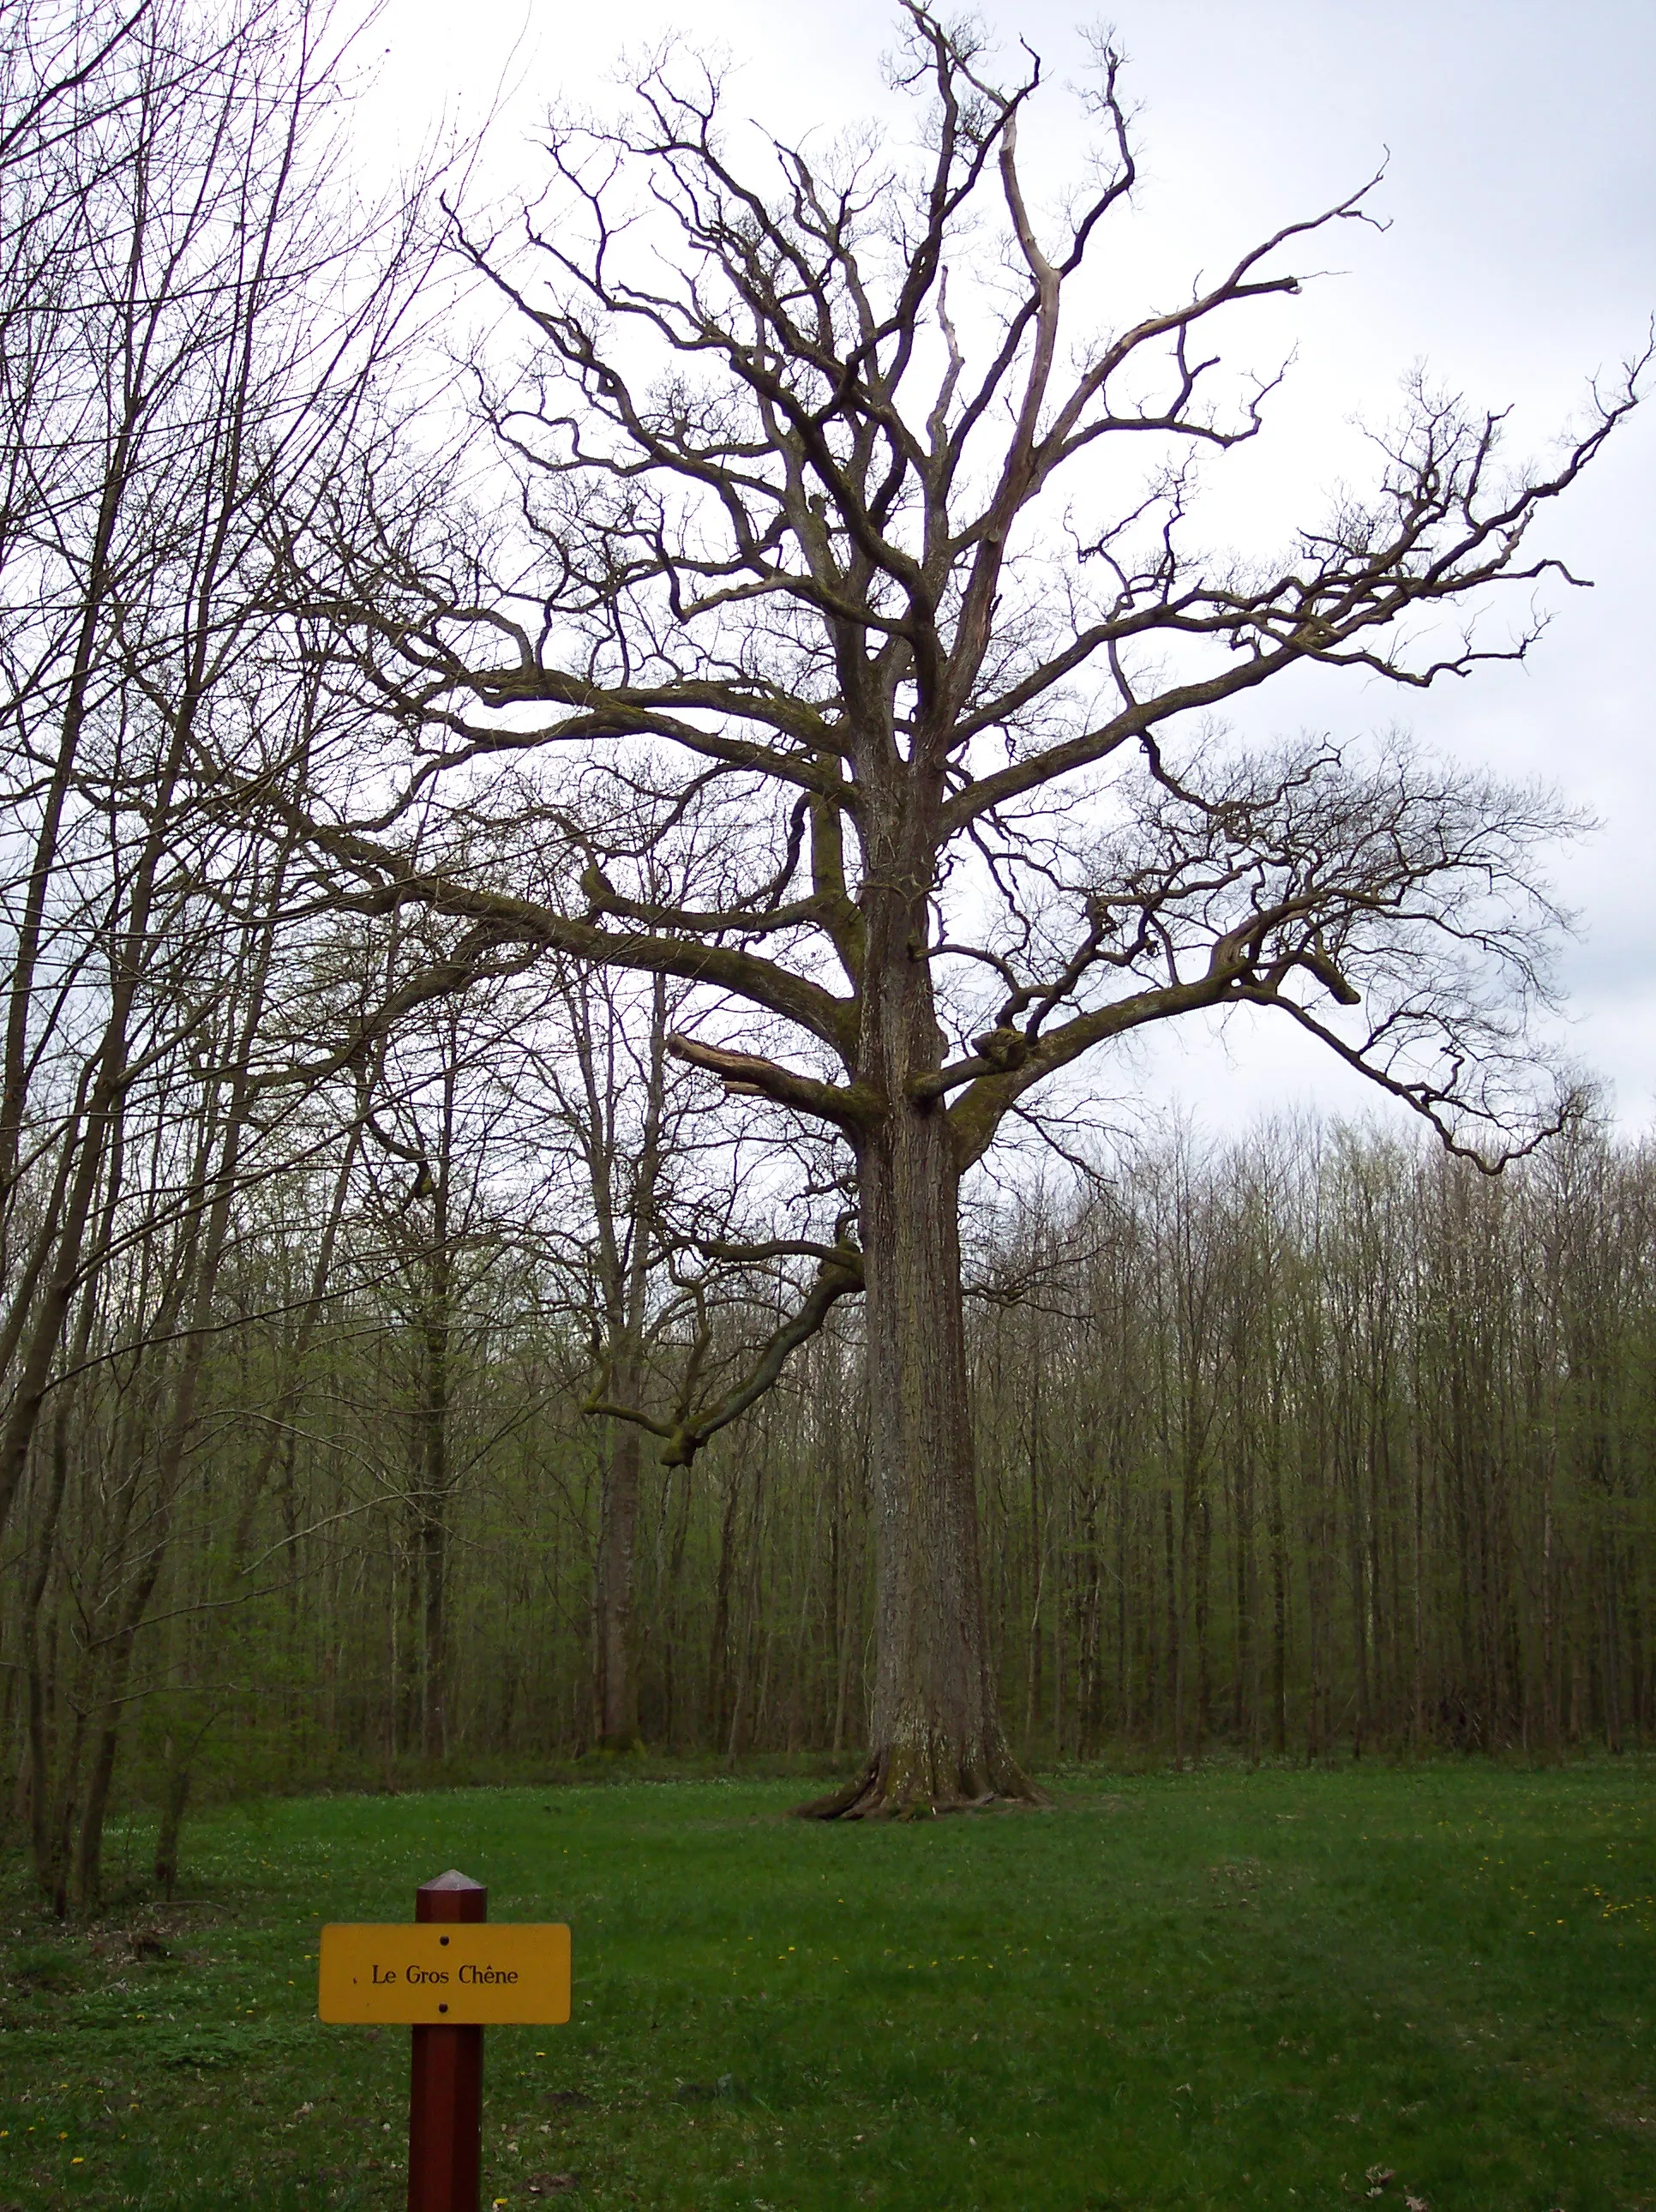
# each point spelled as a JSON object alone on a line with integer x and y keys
{"x": 1282, "y": 1989}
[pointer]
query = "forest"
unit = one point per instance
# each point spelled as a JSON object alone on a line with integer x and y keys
{"x": 443, "y": 1333}
{"x": 1316, "y": 1445}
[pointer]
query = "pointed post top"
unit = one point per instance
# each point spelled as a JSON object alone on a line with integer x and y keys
{"x": 451, "y": 1896}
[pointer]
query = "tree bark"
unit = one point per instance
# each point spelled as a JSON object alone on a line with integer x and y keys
{"x": 936, "y": 1740}
{"x": 175, "y": 1799}
{"x": 617, "y": 1682}
{"x": 625, "y": 1240}
{"x": 436, "y": 1481}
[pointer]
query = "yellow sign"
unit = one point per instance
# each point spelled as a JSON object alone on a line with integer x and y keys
{"x": 461, "y": 1974}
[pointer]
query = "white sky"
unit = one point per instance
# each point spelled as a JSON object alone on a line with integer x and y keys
{"x": 1521, "y": 260}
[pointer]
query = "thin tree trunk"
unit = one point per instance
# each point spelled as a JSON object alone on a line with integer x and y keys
{"x": 617, "y": 1683}
{"x": 1204, "y": 1667}
{"x": 1278, "y": 1610}
{"x": 718, "y": 1656}
{"x": 1175, "y": 1668}
{"x": 436, "y": 1479}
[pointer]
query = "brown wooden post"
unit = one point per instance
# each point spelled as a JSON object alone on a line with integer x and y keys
{"x": 445, "y": 2097}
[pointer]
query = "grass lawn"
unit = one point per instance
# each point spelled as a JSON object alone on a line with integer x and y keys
{"x": 1218, "y": 1989}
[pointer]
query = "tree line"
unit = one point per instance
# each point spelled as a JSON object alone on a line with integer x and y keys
{"x": 1313, "y": 1445}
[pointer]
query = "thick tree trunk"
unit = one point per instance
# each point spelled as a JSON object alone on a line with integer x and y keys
{"x": 936, "y": 1742}
{"x": 935, "y": 1736}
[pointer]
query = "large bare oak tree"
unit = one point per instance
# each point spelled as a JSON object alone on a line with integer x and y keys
{"x": 835, "y": 547}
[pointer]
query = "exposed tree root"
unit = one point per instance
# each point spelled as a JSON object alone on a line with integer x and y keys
{"x": 895, "y": 1787}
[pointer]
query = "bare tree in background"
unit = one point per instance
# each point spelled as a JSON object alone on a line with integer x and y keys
{"x": 651, "y": 1228}
{"x": 623, "y": 1159}
{"x": 190, "y": 334}
{"x": 193, "y": 333}
{"x": 846, "y": 556}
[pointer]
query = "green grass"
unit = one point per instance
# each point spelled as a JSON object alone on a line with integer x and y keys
{"x": 1218, "y": 1989}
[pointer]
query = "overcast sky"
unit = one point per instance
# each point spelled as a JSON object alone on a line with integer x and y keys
{"x": 1521, "y": 261}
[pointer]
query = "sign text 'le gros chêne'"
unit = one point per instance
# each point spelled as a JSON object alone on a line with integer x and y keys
{"x": 453, "y": 1976}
